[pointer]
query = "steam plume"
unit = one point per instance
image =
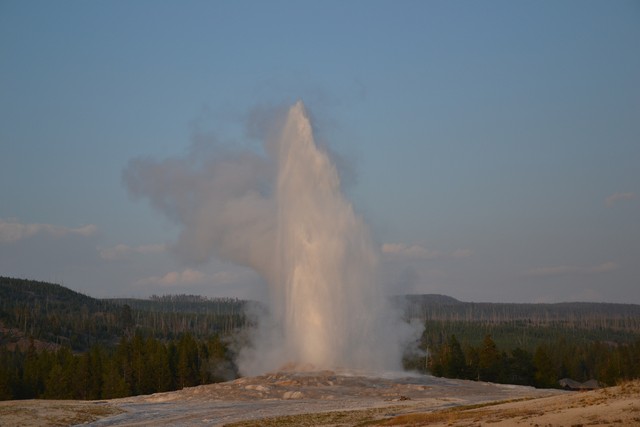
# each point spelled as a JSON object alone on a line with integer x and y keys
{"x": 284, "y": 215}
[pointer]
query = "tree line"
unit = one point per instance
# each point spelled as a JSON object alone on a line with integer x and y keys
{"x": 568, "y": 315}
{"x": 57, "y": 343}
{"x": 521, "y": 333}
{"x": 608, "y": 363}
{"x": 137, "y": 365}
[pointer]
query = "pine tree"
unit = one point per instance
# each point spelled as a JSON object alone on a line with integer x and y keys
{"x": 545, "y": 376}
{"x": 123, "y": 361}
{"x": 521, "y": 367}
{"x": 7, "y": 377}
{"x": 56, "y": 384}
{"x": 113, "y": 382}
{"x": 188, "y": 363}
{"x": 454, "y": 363}
{"x": 489, "y": 361}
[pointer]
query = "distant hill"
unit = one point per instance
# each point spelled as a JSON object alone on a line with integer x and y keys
{"x": 574, "y": 314}
{"x": 427, "y": 299}
{"x": 45, "y": 296}
{"x": 179, "y": 340}
{"x": 54, "y": 314}
{"x": 51, "y": 313}
{"x": 184, "y": 304}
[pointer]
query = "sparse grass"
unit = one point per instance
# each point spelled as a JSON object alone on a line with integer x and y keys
{"x": 53, "y": 414}
{"x": 385, "y": 417}
{"x": 85, "y": 414}
{"x": 474, "y": 413}
{"x": 356, "y": 417}
{"x": 447, "y": 416}
{"x": 629, "y": 387}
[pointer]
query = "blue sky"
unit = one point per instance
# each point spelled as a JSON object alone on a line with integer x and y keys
{"x": 493, "y": 147}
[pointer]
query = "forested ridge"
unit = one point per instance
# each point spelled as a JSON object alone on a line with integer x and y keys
{"x": 53, "y": 314}
{"x": 57, "y": 343}
{"x": 61, "y": 344}
{"x": 585, "y": 315}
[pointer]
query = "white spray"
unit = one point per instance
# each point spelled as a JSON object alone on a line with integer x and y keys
{"x": 326, "y": 309}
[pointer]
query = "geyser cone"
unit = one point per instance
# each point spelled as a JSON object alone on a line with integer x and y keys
{"x": 325, "y": 296}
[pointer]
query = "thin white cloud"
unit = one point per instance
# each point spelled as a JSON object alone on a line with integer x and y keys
{"x": 605, "y": 267}
{"x": 462, "y": 253}
{"x": 616, "y": 197}
{"x": 559, "y": 270}
{"x": 174, "y": 278}
{"x": 420, "y": 252}
{"x": 12, "y": 230}
{"x": 187, "y": 277}
{"x": 124, "y": 251}
{"x": 564, "y": 270}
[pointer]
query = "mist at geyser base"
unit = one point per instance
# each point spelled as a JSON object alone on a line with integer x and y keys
{"x": 284, "y": 215}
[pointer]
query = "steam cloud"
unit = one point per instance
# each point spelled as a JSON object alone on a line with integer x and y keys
{"x": 283, "y": 214}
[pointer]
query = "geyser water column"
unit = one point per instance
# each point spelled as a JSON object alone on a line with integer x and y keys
{"x": 324, "y": 295}
{"x": 284, "y": 215}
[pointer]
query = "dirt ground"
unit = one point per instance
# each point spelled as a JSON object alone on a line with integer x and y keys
{"x": 340, "y": 399}
{"x": 614, "y": 406}
{"x": 53, "y": 412}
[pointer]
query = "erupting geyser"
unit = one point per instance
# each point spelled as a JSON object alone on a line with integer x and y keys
{"x": 325, "y": 294}
{"x": 301, "y": 235}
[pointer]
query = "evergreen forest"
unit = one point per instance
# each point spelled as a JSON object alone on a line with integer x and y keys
{"x": 60, "y": 344}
